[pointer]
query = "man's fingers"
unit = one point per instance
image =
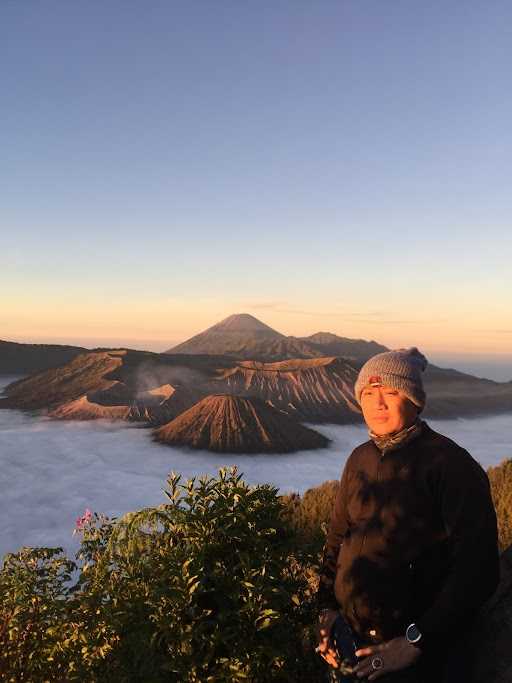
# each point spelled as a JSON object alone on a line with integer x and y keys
{"x": 370, "y": 650}
{"x": 365, "y": 667}
{"x": 323, "y": 645}
{"x": 329, "y": 655}
{"x": 330, "y": 659}
{"x": 365, "y": 651}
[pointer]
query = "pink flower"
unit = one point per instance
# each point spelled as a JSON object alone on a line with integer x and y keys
{"x": 84, "y": 519}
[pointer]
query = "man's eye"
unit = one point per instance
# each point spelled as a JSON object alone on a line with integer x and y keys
{"x": 392, "y": 393}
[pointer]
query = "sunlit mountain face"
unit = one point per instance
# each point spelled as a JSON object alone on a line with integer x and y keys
{"x": 233, "y": 424}
{"x": 245, "y": 337}
{"x": 155, "y": 389}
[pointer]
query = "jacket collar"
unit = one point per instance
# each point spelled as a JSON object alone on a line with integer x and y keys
{"x": 391, "y": 442}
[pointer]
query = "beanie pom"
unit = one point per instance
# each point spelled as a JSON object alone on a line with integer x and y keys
{"x": 416, "y": 356}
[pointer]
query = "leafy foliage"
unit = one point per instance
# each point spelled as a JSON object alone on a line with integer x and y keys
{"x": 500, "y": 478}
{"x": 208, "y": 587}
{"x": 216, "y": 585}
{"x": 310, "y": 514}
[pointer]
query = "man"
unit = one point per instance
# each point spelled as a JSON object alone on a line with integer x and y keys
{"x": 411, "y": 552}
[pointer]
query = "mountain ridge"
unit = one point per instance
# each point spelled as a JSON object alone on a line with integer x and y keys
{"x": 17, "y": 358}
{"x": 298, "y": 379}
{"x": 244, "y": 337}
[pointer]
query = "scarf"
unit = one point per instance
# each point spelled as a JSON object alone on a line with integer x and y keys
{"x": 390, "y": 442}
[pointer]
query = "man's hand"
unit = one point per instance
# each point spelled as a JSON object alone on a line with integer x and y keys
{"x": 324, "y": 631}
{"x": 378, "y": 660}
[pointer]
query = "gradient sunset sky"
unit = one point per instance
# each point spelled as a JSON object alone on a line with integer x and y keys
{"x": 338, "y": 165}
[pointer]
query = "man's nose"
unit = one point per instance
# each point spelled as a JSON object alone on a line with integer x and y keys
{"x": 381, "y": 403}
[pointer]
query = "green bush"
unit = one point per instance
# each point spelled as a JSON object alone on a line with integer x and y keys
{"x": 208, "y": 587}
{"x": 310, "y": 515}
{"x": 500, "y": 478}
{"x": 216, "y": 585}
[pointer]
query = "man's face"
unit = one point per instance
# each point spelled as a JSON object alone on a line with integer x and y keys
{"x": 387, "y": 410}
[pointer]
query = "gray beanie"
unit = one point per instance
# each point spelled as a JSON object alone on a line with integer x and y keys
{"x": 400, "y": 369}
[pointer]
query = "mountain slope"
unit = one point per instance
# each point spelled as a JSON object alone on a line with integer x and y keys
{"x": 87, "y": 372}
{"x": 229, "y": 336}
{"x": 244, "y": 337}
{"x": 313, "y": 390}
{"x": 358, "y": 350}
{"x": 268, "y": 350}
{"x": 135, "y": 385}
{"x": 231, "y": 424}
{"x": 451, "y": 393}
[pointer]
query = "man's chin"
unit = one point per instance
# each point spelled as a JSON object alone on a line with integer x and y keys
{"x": 381, "y": 429}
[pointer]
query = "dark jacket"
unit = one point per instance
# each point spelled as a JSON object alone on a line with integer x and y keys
{"x": 412, "y": 538}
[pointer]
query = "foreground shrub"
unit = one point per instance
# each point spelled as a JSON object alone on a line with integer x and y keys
{"x": 310, "y": 514}
{"x": 32, "y": 608}
{"x": 207, "y": 587}
{"x": 500, "y": 478}
{"x": 217, "y": 586}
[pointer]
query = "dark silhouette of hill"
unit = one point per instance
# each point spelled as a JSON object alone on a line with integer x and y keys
{"x": 25, "y": 359}
{"x": 451, "y": 393}
{"x": 231, "y": 424}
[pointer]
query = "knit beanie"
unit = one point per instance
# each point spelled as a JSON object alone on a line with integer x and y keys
{"x": 400, "y": 369}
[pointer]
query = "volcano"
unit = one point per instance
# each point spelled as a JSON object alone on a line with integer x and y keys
{"x": 244, "y": 337}
{"x": 155, "y": 388}
{"x": 232, "y": 424}
{"x": 239, "y": 333}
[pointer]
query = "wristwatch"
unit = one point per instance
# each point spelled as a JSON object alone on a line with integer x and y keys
{"x": 413, "y": 635}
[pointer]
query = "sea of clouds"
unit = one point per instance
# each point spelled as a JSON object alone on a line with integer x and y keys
{"x": 51, "y": 471}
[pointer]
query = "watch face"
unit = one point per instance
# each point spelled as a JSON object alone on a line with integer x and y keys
{"x": 413, "y": 633}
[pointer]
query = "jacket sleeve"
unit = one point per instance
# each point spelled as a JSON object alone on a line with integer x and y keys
{"x": 338, "y": 527}
{"x": 464, "y": 499}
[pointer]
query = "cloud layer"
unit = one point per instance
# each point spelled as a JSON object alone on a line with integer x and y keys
{"x": 51, "y": 471}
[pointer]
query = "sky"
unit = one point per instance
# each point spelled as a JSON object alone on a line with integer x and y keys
{"x": 341, "y": 166}
{"x": 52, "y": 470}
